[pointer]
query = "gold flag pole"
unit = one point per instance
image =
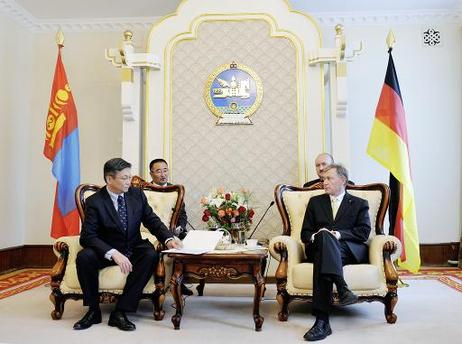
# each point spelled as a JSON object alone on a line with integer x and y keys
{"x": 391, "y": 40}
{"x": 60, "y": 38}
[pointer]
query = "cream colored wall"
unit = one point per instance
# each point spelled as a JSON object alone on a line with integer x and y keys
{"x": 430, "y": 82}
{"x": 15, "y": 52}
{"x": 96, "y": 89}
{"x": 431, "y": 86}
{"x": 26, "y": 215}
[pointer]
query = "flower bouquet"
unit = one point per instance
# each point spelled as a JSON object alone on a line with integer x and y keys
{"x": 229, "y": 210}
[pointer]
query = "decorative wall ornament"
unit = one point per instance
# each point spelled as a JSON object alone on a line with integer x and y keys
{"x": 233, "y": 92}
{"x": 431, "y": 37}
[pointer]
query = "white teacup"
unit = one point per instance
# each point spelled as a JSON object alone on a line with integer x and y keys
{"x": 252, "y": 242}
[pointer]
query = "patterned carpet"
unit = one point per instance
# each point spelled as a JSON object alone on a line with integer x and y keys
{"x": 21, "y": 280}
{"x": 452, "y": 277}
{"x": 15, "y": 282}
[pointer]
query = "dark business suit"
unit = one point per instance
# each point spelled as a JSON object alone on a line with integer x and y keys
{"x": 103, "y": 231}
{"x": 328, "y": 254}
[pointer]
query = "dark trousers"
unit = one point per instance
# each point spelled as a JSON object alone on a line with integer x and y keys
{"x": 144, "y": 259}
{"x": 328, "y": 256}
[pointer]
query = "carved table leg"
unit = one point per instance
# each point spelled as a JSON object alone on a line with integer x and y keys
{"x": 259, "y": 282}
{"x": 175, "y": 288}
{"x": 200, "y": 287}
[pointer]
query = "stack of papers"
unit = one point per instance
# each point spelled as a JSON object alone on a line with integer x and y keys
{"x": 198, "y": 242}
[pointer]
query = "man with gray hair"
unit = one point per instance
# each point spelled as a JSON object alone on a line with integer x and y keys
{"x": 335, "y": 230}
{"x": 321, "y": 162}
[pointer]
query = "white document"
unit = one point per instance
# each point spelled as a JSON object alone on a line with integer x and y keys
{"x": 198, "y": 242}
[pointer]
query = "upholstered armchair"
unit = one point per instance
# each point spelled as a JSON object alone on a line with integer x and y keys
{"x": 165, "y": 202}
{"x": 376, "y": 281}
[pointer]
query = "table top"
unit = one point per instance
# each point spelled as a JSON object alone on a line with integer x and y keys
{"x": 241, "y": 252}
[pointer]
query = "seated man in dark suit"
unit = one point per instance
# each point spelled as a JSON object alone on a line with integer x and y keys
{"x": 335, "y": 230}
{"x": 111, "y": 235}
{"x": 321, "y": 162}
{"x": 158, "y": 169}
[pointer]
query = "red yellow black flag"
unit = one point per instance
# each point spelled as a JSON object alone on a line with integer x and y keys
{"x": 388, "y": 144}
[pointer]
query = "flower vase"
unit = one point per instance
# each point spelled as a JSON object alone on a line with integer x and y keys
{"x": 238, "y": 233}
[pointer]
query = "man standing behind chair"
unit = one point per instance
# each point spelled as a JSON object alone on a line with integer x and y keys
{"x": 321, "y": 162}
{"x": 335, "y": 230}
{"x": 111, "y": 236}
{"x": 158, "y": 169}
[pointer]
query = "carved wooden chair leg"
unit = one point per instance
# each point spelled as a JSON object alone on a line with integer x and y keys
{"x": 283, "y": 299}
{"x": 390, "y": 302}
{"x": 58, "y": 300}
{"x": 200, "y": 287}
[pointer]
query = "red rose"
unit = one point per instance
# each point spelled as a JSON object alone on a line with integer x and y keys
{"x": 207, "y": 212}
{"x": 205, "y": 218}
{"x": 251, "y": 213}
{"x": 241, "y": 209}
{"x": 228, "y": 196}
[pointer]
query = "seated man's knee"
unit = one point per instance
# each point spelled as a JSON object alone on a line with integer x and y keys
{"x": 87, "y": 256}
{"x": 152, "y": 255}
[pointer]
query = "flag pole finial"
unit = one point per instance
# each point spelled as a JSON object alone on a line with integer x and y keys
{"x": 59, "y": 37}
{"x": 391, "y": 39}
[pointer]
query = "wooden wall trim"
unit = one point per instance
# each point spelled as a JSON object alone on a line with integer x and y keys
{"x": 26, "y": 256}
{"x": 439, "y": 254}
{"x": 42, "y": 256}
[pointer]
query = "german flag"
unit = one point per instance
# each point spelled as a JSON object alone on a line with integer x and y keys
{"x": 388, "y": 144}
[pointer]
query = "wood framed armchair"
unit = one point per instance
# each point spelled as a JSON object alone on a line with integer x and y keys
{"x": 165, "y": 202}
{"x": 376, "y": 281}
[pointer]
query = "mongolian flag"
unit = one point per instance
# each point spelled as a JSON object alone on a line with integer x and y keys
{"x": 62, "y": 149}
{"x": 388, "y": 144}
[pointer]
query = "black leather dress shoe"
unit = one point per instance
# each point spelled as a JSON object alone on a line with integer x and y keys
{"x": 90, "y": 318}
{"x": 347, "y": 297}
{"x": 320, "y": 330}
{"x": 185, "y": 290}
{"x": 119, "y": 319}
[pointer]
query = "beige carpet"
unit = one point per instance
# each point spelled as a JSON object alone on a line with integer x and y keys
{"x": 428, "y": 312}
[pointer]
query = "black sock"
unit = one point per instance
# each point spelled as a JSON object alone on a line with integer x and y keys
{"x": 320, "y": 315}
{"x": 94, "y": 308}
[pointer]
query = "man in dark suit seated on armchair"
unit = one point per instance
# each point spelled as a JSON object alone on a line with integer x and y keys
{"x": 335, "y": 229}
{"x": 111, "y": 236}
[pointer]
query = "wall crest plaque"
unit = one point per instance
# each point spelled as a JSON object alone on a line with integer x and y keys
{"x": 233, "y": 92}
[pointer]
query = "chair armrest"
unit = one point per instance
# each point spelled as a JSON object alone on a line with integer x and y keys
{"x": 381, "y": 244}
{"x": 67, "y": 243}
{"x": 295, "y": 251}
{"x": 65, "y": 249}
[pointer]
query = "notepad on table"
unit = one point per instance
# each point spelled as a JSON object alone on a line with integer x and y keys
{"x": 198, "y": 242}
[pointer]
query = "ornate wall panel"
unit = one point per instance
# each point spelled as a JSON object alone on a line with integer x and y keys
{"x": 258, "y": 156}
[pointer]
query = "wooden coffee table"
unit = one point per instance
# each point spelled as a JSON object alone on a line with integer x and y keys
{"x": 219, "y": 267}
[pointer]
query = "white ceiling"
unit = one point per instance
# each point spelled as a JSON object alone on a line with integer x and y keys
{"x": 60, "y": 9}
